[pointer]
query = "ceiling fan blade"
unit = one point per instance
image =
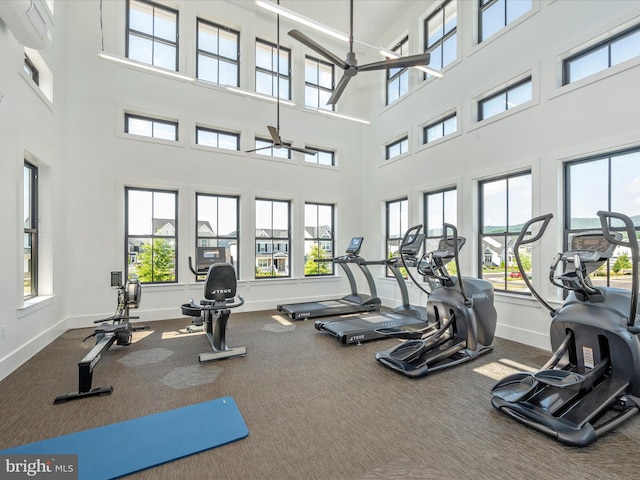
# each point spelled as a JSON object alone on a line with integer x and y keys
{"x": 307, "y": 151}
{"x": 316, "y": 47}
{"x": 257, "y": 149}
{"x": 275, "y": 136}
{"x": 401, "y": 62}
{"x": 342, "y": 84}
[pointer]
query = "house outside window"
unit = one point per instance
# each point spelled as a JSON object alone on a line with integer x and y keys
{"x": 271, "y": 69}
{"x": 272, "y": 238}
{"x": 218, "y": 54}
{"x": 217, "y": 224}
{"x": 497, "y": 14}
{"x": 439, "y": 207}
{"x": 318, "y": 239}
{"x": 398, "y": 78}
{"x": 152, "y": 34}
{"x": 397, "y": 223}
{"x": 30, "y": 212}
{"x": 151, "y": 241}
{"x": 505, "y": 205}
{"x": 318, "y": 83}
{"x": 611, "y": 181}
{"x": 441, "y": 29}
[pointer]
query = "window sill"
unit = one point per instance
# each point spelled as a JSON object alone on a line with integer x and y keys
{"x": 34, "y": 304}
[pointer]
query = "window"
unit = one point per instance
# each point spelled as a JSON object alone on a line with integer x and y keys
{"x": 318, "y": 239}
{"x": 439, "y": 207}
{"x": 217, "y": 138}
{"x": 217, "y": 224}
{"x": 321, "y": 157}
{"x": 273, "y": 238}
{"x": 441, "y": 35}
{"x": 30, "y": 212}
{"x": 505, "y": 205}
{"x": 497, "y": 14}
{"x": 510, "y": 97}
{"x": 218, "y": 58}
{"x": 318, "y": 83}
{"x": 439, "y": 129}
{"x": 397, "y": 148}
{"x": 151, "y": 240}
{"x": 397, "y": 223}
{"x": 273, "y": 72}
{"x": 150, "y": 127}
{"x": 608, "y": 182}
{"x": 265, "y": 147}
{"x": 152, "y": 34}
{"x": 613, "y": 51}
{"x": 31, "y": 70}
{"x": 398, "y": 78}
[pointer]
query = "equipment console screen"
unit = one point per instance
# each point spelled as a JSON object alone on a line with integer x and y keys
{"x": 595, "y": 243}
{"x": 354, "y": 245}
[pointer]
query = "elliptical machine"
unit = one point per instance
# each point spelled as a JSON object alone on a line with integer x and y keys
{"x": 591, "y": 383}
{"x": 460, "y": 308}
{"x": 215, "y": 309}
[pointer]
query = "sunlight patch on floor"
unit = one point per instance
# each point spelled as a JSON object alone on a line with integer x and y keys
{"x": 281, "y": 319}
{"x": 501, "y": 368}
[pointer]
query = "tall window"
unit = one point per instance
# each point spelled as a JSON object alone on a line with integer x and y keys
{"x": 398, "y": 78}
{"x": 150, "y": 127}
{"x": 273, "y": 238}
{"x": 152, "y": 34}
{"x": 318, "y": 83}
{"x": 151, "y": 234}
{"x": 441, "y": 28}
{"x": 440, "y": 128}
{"x": 607, "y": 54}
{"x": 497, "y": 14}
{"x": 318, "y": 239}
{"x": 397, "y": 223}
{"x": 439, "y": 207}
{"x": 607, "y": 182}
{"x": 218, "y": 58}
{"x": 321, "y": 157}
{"x": 270, "y": 70}
{"x": 30, "y": 211}
{"x": 397, "y": 148}
{"x": 217, "y": 138}
{"x": 505, "y": 205}
{"x": 506, "y": 99}
{"x": 217, "y": 224}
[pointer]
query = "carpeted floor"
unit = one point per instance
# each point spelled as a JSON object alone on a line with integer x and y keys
{"x": 315, "y": 409}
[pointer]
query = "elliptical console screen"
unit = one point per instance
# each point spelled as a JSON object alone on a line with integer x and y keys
{"x": 594, "y": 243}
{"x": 354, "y": 245}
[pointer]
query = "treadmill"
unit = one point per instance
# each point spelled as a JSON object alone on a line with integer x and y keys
{"x": 362, "y": 328}
{"x": 353, "y": 303}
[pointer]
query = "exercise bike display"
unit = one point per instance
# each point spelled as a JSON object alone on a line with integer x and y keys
{"x": 460, "y": 308}
{"x": 116, "y": 328}
{"x": 214, "y": 310}
{"x": 591, "y": 383}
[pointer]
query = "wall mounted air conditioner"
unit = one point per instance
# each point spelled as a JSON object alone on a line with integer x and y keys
{"x": 28, "y": 21}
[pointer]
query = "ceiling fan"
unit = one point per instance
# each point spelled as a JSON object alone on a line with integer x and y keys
{"x": 274, "y": 132}
{"x": 350, "y": 64}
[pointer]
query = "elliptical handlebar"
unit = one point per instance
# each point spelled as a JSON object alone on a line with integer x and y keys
{"x": 447, "y": 226}
{"x": 545, "y": 219}
{"x": 632, "y": 244}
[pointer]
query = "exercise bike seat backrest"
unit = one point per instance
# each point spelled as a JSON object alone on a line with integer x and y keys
{"x": 221, "y": 283}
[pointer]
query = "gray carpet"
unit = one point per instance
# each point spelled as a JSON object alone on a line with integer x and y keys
{"x": 315, "y": 409}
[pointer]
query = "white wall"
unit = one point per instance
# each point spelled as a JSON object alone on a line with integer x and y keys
{"x": 88, "y": 160}
{"x": 595, "y": 115}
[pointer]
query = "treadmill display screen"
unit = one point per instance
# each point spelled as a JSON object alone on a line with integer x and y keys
{"x": 354, "y": 245}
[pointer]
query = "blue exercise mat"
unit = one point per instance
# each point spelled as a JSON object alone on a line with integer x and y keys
{"x": 126, "y": 447}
